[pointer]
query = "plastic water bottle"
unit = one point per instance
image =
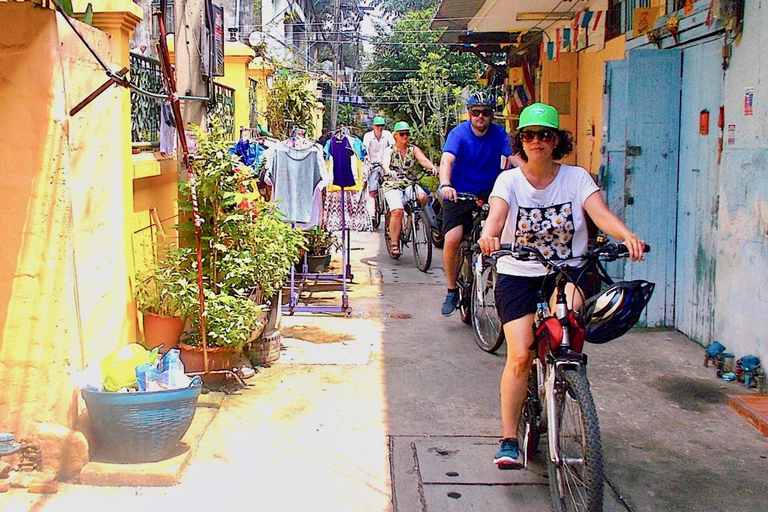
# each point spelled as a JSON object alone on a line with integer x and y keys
{"x": 542, "y": 312}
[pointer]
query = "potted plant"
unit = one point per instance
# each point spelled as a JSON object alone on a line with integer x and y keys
{"x": 319, "y": 242}
{"x": 247, "y": 249}
{"x": 230, "y": 320}
{"x": 166, "y": 294}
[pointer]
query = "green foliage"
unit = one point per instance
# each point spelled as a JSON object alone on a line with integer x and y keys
{"x": 397, "y": 8}
{"x": 245, "y": 244}
{"x": 229, "y": 321}
{"x": 425, "y": 98}
{"x": 168, "y": 288}
{"x": 291, "y": 102}
{"x": 319, "y": 241}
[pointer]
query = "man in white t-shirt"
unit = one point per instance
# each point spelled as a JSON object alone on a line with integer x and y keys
{"x": 376, "y": 142}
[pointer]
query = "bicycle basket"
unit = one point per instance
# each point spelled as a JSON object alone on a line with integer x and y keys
{"x": 550, "y": 335}
{"x": 616, "y": 310}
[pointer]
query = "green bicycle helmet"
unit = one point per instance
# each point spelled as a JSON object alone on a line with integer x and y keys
{"x": 379, "y": 121}
{"x": 401, "y": 126}
{"x": 539, "y": 114}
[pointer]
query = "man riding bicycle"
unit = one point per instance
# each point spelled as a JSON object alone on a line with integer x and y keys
{"x": 400, "y": 165}
{"x": 475, "y": 152}
{"x": 376, "y": 143}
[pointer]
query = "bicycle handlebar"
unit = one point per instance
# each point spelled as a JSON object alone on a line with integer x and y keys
{"x": 608, "y": 251}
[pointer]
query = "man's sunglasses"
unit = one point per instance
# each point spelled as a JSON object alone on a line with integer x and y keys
{"x": 403, "y": 134}
{"x": 486, "y": 112}
{"x": 544, "y": 135}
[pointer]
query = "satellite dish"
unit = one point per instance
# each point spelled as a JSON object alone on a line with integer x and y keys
{"x": 256, "y": 38}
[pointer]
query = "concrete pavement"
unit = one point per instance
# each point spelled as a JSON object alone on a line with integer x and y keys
{"x": 395, "y": 409}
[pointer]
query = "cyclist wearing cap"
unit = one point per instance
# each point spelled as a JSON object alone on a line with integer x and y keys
{"x": 376, "y": 142}
{"x": 543, "y": 204}
{"x": 400, "y": 164}
{"x": 475, "y": 152}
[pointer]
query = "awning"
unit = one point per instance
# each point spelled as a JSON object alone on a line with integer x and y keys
{"x": 475, "y": 17}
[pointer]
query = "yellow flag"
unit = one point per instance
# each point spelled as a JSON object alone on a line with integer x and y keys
{"x": 516, "y": 76}
{"x": 644, "y": 18}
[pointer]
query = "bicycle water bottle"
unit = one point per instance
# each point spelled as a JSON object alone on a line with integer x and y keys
{"x": 542, "y": 312}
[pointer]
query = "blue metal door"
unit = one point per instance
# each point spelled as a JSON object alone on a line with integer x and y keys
{"x": 651, "y": 119}
{"x": 611, "y": 176}
{"x": 698, "y": 197}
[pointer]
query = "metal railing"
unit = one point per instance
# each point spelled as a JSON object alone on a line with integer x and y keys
{"x": 223, "y": 107}
{"x": 145, "y": 111}
{"x": 620, "y": 16}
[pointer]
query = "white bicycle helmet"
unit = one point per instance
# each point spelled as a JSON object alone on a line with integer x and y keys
{"x": 616, "y": 310}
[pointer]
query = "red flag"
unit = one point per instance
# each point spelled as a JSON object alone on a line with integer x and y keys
{"x": 558, "y": 44}
{"x": 598, "y": 14}
{"x": 528, "y": 85}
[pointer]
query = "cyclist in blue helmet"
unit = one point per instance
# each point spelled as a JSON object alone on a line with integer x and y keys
{"x": 475, "y": 152}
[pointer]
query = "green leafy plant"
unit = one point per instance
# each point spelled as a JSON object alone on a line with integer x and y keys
{"x": 319, "y": 241}
{"x": 291, "y": 103}
{"x": 168, "y": 287}
{"x": 246, "y": 245}
{"x": 229, "y": 321}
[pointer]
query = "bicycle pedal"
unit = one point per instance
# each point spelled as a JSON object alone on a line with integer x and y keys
{"x": 509, "y": 467}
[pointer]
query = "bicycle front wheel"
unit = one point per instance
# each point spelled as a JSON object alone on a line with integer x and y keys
{"x": 485, "y": 319}
{"x": 464, "y": 280}
{"x": 422, "y": 245}
{"x": 376, "y": 219}
{"x": 576, "y": 483}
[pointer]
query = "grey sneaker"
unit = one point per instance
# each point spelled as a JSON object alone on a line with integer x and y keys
{"x": 451, "y": 303}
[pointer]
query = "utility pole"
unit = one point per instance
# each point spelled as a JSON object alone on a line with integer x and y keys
{"x": 336, "y": 59}
{"x": 187, "y": 46}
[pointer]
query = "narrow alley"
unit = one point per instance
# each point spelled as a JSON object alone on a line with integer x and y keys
{"x": 395, "y": 409}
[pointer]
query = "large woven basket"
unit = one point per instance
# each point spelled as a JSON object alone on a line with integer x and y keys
{"x": 140, "y": 427}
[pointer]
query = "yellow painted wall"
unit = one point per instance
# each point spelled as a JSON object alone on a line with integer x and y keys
{"x": 65, "y": 294}
{"x": 590, "y": 107}
{"x": 259, "y": 69}
{"x": 563, "y": 70}
{"x": 236, "y": 59}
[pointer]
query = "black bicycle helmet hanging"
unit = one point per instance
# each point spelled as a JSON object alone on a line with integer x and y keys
{"x": 616, "y": 310}
{"x": 481, "y": 99}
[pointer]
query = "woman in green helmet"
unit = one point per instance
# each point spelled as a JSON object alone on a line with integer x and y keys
{"x": 541, "y": 203}
{"x": 399, "y": 163}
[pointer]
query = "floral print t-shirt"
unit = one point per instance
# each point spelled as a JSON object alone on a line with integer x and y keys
{"x": 552, "y": 220}
{"x": 403, "y": 167}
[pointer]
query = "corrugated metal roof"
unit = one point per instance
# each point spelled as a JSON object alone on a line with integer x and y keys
{"x": 454, "y": 16}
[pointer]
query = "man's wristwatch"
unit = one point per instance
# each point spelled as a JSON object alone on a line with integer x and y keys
{"x": 443, "y": 185}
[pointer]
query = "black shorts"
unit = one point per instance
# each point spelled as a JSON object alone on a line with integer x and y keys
{"x": 517, "y": 296}
{"x": 459, "y": 213}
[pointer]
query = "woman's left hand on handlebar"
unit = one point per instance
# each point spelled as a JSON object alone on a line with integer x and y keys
{"x": 489, "y": 244}
{"x": 635, "y": 246}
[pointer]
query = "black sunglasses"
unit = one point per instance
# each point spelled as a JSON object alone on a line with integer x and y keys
{"x": 544, "y": 135}
{"x": 403, "y": 134}
{"x": 485, "y": 112}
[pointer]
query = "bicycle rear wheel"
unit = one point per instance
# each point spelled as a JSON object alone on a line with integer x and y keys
{"x": 422, "y": 245}
{"x": 576, "y": 484}
{"x": 531, "y": 426}
{"x": 485, "y": 319}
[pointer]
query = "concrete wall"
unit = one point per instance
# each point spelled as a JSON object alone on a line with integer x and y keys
{"x": 65, "y": 295}
{"x": 741, "y": 311}
{"x": 589, "y": 120}
{"x": 564, "y": 70}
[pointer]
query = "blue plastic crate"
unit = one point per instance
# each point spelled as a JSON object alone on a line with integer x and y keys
{"x": 141, "y": 427}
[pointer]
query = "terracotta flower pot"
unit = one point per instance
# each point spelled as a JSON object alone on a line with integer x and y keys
{"x": 162, "y": 330}
{"x": 219, "y": 358}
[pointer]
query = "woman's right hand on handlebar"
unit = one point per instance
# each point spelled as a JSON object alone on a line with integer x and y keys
{"x": 489, "y": 244}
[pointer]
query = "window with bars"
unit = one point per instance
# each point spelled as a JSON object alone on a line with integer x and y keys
{"x": 620, "y": 16}
{"x": 168, "y": 19}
